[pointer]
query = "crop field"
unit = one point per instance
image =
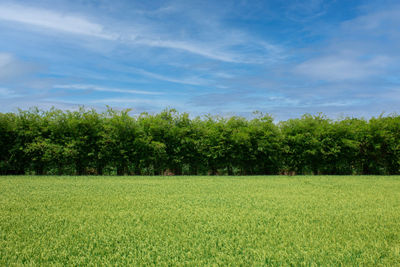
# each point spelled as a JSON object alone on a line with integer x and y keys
{"x": 265, "y": 220}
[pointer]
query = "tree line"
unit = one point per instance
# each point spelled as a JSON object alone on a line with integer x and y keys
{"x": 86, "y": 142}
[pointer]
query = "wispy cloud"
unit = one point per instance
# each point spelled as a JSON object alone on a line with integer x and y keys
{"x": 301, "y": 11}
{"x": 90, "y": 87}
{"x": 151, "y": 104}
{"x": 123, "y": 101}
{"x": 342, "y": 67}
{"x": 7, "y": 93}
{"x": 144, "y": 35}
{"x": 5, "y": 59}
{"x": 191, "y": 47}
{"x": 362, "y": 48}
{"x": 13, "y": 68}
{"x": 53, "y": 20}
{"x": 187, "y": 80}
{"x": 283, "y": 57}
{"x": 376, "y": 21}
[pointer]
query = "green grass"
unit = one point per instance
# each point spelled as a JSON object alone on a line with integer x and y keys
{"x": 196, "y": 221}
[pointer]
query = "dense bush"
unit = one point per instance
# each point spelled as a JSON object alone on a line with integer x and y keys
{"x": 87, "y": 142}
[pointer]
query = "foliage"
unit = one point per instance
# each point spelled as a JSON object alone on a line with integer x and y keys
{"x": 113, "y": 142}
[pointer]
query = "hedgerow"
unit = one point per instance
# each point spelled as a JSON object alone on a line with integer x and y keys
{"x": 86, "y": 142}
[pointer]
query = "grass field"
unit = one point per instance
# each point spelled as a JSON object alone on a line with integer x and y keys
{"x": 200, "y": 220}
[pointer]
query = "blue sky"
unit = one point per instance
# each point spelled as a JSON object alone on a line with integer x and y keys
{"x": 285, "y": 58}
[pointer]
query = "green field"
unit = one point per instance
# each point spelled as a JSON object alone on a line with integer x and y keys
{"x": 299, "y": 220}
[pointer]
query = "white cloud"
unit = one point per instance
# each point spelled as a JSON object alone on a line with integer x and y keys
{"x": 7, "y": 93}
{"x": 53, "y": 20}
{"x": 79, "y": 25}
{"x": 191, "y": 48}
{"x": 189, "y": 80}
{"x": 301, "y": 11}
{"x": 123, "y": 101}
{"x": 12, "y": 68}
{"x": 239, "y": 49}
{"x": 104, "y": 89}
{"x": 5, "y": 59}
{"x": 28, "y": 102}
{"x": 150, "y": 103}
{"x": 384, "y": 20}
{"x": 338, "y": 103}
{"x": 144, "y": 34}
{"x": 342, "y": 67}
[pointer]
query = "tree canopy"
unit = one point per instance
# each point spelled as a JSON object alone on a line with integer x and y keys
{"x": 113, "y": 142}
